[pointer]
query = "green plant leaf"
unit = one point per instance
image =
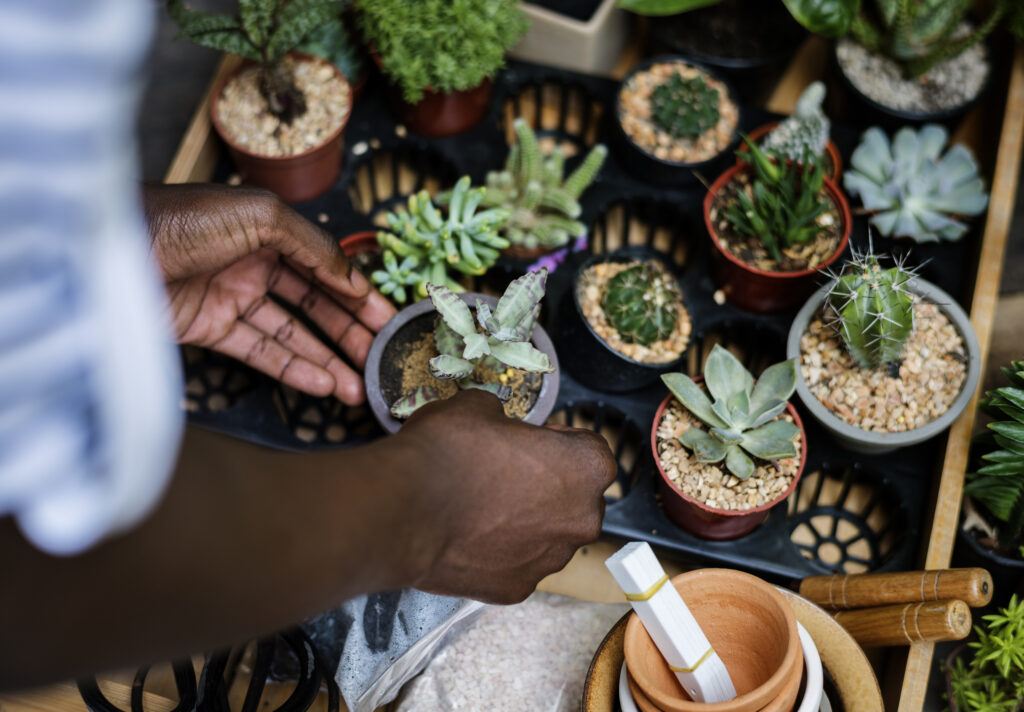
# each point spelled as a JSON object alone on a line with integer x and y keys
{"x": 725, "y": 376}
{"x": 419, "y": 397}
{"x": 772, "y": 441}
{"x": 663, "y": 7}
{"x": 476, "y": 346}
{"x": 705, "y": 447}
{"x": 737, "y": 462}
{"x": 693, "y": 398}
{"x": 454, "y": 311}
{"x": 257, "y": 18}
{"x": 523, "y": 355}
{"x": 298, "y": 18}
{"x": 517, "y": 307}
{"x": 829, "y": 18}
{"x": 450, "y": 368}
{"x": 775, "y": 385}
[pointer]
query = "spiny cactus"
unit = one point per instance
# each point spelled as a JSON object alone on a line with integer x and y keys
{"x": 685, "y": 108}
{"x": 641, "y": 304}
{"x": 431, "y": 244}
{"x": 803, "y": 135}
{"x": 913, "y": 191}
{"x": 741, "y": 419}
{"x": 874, "y": 309}
{"x": 543, "y": 205}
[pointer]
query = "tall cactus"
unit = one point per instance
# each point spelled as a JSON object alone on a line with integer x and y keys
{"x": 641, "y": 304}
{"x": 803, "y": 135}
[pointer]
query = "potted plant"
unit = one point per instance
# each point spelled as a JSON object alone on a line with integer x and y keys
{"x": 992, "y": 679}
{"x": 440, "y": 57}
{"x": 334, "y": 41}
{"x": 431, "y": 349}
{"x": 751, "y": 428}
{"x": 912, "y": 189}
{"x": 673, "y": 118}
{"x": 363, "y": 251}
{"x": 582, "y": 35}
{"x": 803, "y": 136}
{"x": 281, "y": 114}
{"x": 887, "y": 358}
{"x": 774, "y": 225}
{"x": 424, "y": 246}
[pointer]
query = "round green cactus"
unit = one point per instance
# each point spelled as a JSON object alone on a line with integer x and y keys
{"x": 685, "y": 108}
{"x": 640, "y": 303}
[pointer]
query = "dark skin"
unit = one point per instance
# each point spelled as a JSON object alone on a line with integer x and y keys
{"x": 462, "y": 501}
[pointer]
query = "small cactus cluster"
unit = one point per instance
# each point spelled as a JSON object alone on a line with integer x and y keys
{"x": 873, "y": 308}
{"x": 803, "y": 135}
{"x": 914, "y": 190}
{"x": 543, "y": 205}
{"x": 683, "y": 107}
{"x": 641, "y": 304}
{"x": 430, "y": 244}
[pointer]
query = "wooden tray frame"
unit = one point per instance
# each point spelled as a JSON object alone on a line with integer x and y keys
{"x": 905, "y": 681}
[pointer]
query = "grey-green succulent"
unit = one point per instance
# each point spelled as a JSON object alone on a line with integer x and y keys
{"x": 803, "y": 135}
{"x": 742, "y": 419}
{"x": 642, "y": 303}
{"x": 913, "y": 189}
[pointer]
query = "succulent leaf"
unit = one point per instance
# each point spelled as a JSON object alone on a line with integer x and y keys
{"x": 453, "y": 310}
{"x": 693, "y": 398}
{"x": 737, "y": 462}
{"x": 502, "y": 392}
{"x": 522, "y": 355}
{"x": 802, "y": 136}
{"x": 519, "y": 306}
{"x": 772, "y": 441}
{"x": 409, "y": 404}
{"x": 725, "y": 376}
{"x": 705, "y": 447}
{"x": 476, "y": 347}
{"x": 450, "y": 368}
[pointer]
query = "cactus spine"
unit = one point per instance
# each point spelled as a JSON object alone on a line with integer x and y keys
{"x": 685, "y": 108}
{"x": 641, "y": 304}
{"x": 803, "y": 135}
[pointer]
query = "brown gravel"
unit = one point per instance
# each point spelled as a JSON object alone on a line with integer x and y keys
{"x": 244, "y": 115}
{"x": 635, "y": 116}
{"x": 710, "y": 482}
{"x": 931, "y": 372}
{"x": 590, "y": 290}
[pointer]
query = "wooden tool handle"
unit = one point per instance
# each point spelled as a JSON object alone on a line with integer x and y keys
{"x": 973, "y": 586}
{"x": 908, "y": 623}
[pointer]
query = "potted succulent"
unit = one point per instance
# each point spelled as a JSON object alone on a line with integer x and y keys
{"x": 625, "y": 321}
{"x": 431, "y": 349}
{"x": 887, "y": 358}
{"x": 774, "y": 225}
{"x": 582, "y": 35}
{"x": 423, "y": 246}
{"x": 912, "y": 189}
{"x": 281, "y": 114}
{"x": 992, "y": 679}
{"x": 440, "y": 57}
{"x": 725, "y": 461}
{"x": 674, "y": 118}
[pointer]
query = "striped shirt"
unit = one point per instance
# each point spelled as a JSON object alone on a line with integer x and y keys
{"x": 89, "y": 377}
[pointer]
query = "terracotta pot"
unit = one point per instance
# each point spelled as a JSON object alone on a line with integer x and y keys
{"x": 830, "y": 148}
{"x": 296, "y": 178}
{"x": 706, "y": 522}
{"x": 750, "y": 626}
{"x": 758, "y": 290}
{"x": 359, "y": 242}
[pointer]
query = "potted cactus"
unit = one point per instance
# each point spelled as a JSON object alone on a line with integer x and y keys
{"x": 431, "y": 349}
{"x": 887, "y": 358}
{"x": 625, "y": 321}
{"x": 281, "y": 113}
{"x": 912, "y": 189}
{"x": 774, "y": 225}
{"x": 725, "y": 461}
{"x": 674, "y": 119}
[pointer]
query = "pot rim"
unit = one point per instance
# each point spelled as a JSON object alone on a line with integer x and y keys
{"x": 790, "y": 409}
{"x": 984, "y": 551}
{"x": 537, "y": 415}
{"x": 356, "y": 239}
{"x": 830, "y": 185}
{"x": 834, "y": 423}
{"x": 677, "y": 58}
{"x": 215, "y": 100}
{"x": 830, "y": 147}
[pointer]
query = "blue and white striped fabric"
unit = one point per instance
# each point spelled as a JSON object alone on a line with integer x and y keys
{"x": 89, "y": 378}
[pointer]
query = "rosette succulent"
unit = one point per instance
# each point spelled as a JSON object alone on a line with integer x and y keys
{"x": 641, "y": 304}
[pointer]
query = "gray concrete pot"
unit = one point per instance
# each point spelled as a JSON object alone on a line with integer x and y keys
{"x": 538, "y": 415}
{"x": 872, "y": 443}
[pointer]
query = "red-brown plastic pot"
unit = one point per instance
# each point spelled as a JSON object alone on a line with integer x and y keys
{"x": 759, "y": 290}
{"x": 360, "y": 242}
{"x": 830, "y": 148}
{"x": 707, "y": 522}
{"x": 296, "y": 178}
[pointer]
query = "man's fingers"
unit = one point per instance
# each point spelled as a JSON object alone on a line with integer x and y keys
{"x": 306, "y": 244}
{"x": 373, "y": 310}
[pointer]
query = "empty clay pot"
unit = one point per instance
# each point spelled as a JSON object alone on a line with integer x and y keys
{"x": 750, "y": 626}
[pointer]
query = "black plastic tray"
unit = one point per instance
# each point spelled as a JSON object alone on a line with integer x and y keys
{"x": 850, "y": 513}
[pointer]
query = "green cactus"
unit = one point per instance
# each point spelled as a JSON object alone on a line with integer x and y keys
{"x": 874, "y": 309}
{"x": 685, "y": 108}
{"x": 641, "y": 304}
{"x": 741, "y": 420}
{"x": 542, "y": 203}
{"x": 803, "y": 135}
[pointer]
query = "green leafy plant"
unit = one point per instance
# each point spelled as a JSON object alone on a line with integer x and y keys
{"x": 334, "y": 42}
{"x": 998, "y": 485}
{"x": 803, "y": 135}
{"x": 993, "y": 679}
{"x": 641, "y": 304}
{"x": 263, "y": 31}
{"x": 873, "y": 308}
{"x": 685, "y": 108}
{"x": 914, "y": 189}
{"x": 784, "y": 201}
{"x": 543, "y": 205}
{"x": 741, "y": 420}
{"x": 829, "y": 18}
{"x": 499, "y": 338}
{"x": 441, "y": 45}
{"x": 431, "y": 246}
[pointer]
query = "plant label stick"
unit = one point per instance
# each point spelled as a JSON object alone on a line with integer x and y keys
{"x": 670, "y": 624}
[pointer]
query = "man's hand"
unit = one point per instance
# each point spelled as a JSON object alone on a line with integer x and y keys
{"x": 513, "y": 501}
{"x": 223, "y": 251}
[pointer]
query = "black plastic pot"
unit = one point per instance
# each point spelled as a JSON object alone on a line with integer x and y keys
{"x": 1007, "y": 574}
{"x": 652, "y": 169}
{"x": 589, "y": 357}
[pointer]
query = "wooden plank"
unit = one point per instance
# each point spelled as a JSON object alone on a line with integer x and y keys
{"x": 807, "y": 65}
{"x": 983, "y": 308}
{"x": 65, "y": 698}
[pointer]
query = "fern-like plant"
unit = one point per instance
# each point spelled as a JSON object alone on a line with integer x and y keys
{"x": 263, "y": 31}
{"x": 993, "y": 679}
